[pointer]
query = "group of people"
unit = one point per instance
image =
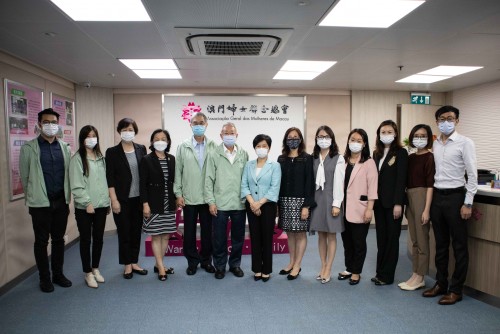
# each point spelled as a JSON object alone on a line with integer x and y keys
{"x": 216, "y": 185}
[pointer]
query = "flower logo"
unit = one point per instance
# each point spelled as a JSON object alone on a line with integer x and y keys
{"x": 189, "y": 110}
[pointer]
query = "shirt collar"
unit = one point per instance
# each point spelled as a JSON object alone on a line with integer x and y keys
{"x": 195, "y": 143}
{"x": 226, "y": 151}
{"x": 453, "y": 137}
{"x": 42, "y": 140}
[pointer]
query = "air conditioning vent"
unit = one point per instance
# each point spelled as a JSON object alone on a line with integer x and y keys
{"x": 233, "y": 42}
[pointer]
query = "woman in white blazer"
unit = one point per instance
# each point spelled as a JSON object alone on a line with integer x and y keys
{"x": 260, "y": 186}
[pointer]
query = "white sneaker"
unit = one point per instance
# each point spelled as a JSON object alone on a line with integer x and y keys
{"x": 98, "y": 276}
{"x": 90, "y": 279}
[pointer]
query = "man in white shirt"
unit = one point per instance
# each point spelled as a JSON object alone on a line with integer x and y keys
{"x": 451, "y": 207}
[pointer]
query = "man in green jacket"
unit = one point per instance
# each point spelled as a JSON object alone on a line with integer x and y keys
{"x": 222, "y": 193}
{"x": 43, "y": 165}
{"x": 190, "y": 169}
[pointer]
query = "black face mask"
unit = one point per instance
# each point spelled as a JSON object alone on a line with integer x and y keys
{"x": 293, "y": 143}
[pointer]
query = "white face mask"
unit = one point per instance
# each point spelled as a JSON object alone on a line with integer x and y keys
{"x": 355, "y": 147}
{"x": 419, "y": 142}
{"x": 324, "y": 142}
{"x": 387, "y": 139}
{"x": 90, "y": 142}
{"x": 50, "y": 130}
{"x": 446, "y": 127}
{"x": 261, "y": 152}
{"x": 127, "y": 135}
{"x": 160, "y": 145}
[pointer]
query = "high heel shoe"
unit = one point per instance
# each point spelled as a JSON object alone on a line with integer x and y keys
{"x": 285, "y": 272}
{"x": 291, "y": 277}
{"x": 162, "y": 277}
{"x": 168, "y": 271}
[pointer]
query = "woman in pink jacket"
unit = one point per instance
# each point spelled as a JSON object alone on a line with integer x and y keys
{"x": 360, "y": 189}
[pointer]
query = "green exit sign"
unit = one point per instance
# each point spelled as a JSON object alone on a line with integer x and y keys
{"x": 420, "y": 98}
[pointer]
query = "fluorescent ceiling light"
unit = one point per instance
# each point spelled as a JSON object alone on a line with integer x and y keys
{"x": 103, "y": 10}
{"x": 158, "y": 74}
{"x": 149, "y": 64}
{"x": 307, "y": 66}
{"x": 450, "y": 70}
{"x": 369, "y": 13}
{"x": 286, "y": 75}
{"x": 419, "y": 78}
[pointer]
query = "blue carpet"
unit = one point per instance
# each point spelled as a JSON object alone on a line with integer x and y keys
{"x": 202, "y": 304}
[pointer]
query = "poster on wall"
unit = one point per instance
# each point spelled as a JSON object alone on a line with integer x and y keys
{"x": 22, "y": 105}
{"x": 66, "y": 109}
{"x": 252, "y": 115}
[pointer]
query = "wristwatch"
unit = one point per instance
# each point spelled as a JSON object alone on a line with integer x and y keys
{"x": 468, "y": 205}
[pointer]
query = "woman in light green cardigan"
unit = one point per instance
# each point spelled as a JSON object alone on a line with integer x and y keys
{"x": 87, "y": 172}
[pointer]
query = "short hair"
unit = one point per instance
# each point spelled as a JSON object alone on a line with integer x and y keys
{"x": 302, "y": 146}
{"x": 429, "y": 135}
{"x": 445, "y": 109}
{"x": 165, "y": 132}
{"x": 260, "y": 138}
{"x": 365, "y": 153}
{"x": 199, "y": 114}
{"x": 334, "y": 149}
{"x": 231, "y": 124}
{"x": 48, "y": 111}
{"x": 125, "y": 122}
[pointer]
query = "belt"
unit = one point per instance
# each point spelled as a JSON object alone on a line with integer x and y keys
{"x": 450, "y": 190}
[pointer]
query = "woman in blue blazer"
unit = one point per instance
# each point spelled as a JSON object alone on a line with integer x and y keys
{"x": 260, "y": 186}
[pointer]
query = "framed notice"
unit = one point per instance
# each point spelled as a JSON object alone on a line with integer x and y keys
{"x": 22, "y": 105}
{"x": 271, "y": 115}
{"x": 66, "y": 109}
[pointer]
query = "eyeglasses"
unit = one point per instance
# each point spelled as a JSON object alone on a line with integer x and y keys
{"x": 322, "y": 137}
{"x": 50, "y": 122}
{"x": 420, "y": 137}
{"x": 447, "y": 119}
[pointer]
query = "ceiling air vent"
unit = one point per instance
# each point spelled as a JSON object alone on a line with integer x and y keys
{"x": 233, "y": 42}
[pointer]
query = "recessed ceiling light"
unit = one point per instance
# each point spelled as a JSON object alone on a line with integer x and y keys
{"x": 307, "y": 65}
{"x": 286, "y": 75}
{"x": 103, "y": 10}
{"x": 369, "y": 13}
{"x": 149, "y": 64}
{"x": 50, "y": 34}
{"x": 158, "y": 74}
{"x": 419, "y": 78}
{"x": 450, "y": 70}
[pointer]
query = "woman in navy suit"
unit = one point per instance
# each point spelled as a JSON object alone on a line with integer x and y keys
{"x": 122, "y": 174}
{"x": 260, "y": 186}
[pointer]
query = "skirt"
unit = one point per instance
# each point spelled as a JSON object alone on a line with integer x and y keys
{"x": 160, "y": 224}
{"x": 289, "y": 220}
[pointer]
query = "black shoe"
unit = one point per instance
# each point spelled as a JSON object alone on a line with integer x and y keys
{"x": 61, "y": 280}
{"x": 219, "y": 274}
{"x": 291, "y": 277}
{"x": 128, "y": 275}
{"x": 379, "y": 282}
{"x": 237, "y": 271}
{"x": 374, "y": 279}
{"x": 344, "y": 277}
{"x": 162, "y": 277}
{"x": 168, "y": 271}
{"x": 265, "y": 279}
{"x": 140, "y": 271}
{"x": 191, "y": 270}
{"x": 285, "y": 272}
{"x": 354, "y": 281}
{"x": 208, "y": 268}
{"x": 46, "y": 286}
{"x": 257, "y": 278}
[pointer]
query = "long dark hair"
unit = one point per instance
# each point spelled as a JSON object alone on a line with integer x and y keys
{"x": 365, "y": 153}
{"x": 302, "y": 146}
{"x": 379, "y": 146}
{"x": 82, "y": 149}
{"x": 334, "y": 149}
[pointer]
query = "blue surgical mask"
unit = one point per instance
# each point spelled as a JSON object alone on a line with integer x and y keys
{"x": 198, "y": 130}
{"x": 229, "y": 140}
{"x": 446, "y": 127}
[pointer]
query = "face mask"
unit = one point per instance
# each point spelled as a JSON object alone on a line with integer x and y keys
{"x": 355, "y": 147}
{"x": 261, "y": 152}
{"x": 127, "y": 135}
{"x": 90, "y": 142}
{"x": 50, "y": 130}
{"x": 387, "y": 139}
{"x": 229, "y": 140}
{"x": 324, "y": 142}
{"x": 198, "y": 130}
{"x": 293, "y": 143}
{"x": 160, "y": 145}
{"x": 446, "y": 127}
{"x": 419, "y": 142}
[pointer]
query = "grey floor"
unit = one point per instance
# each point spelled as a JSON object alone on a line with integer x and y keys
{"x": 202, "y": 304}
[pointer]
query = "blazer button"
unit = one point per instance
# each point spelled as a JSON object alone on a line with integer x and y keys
{"x": 256, "y": 193}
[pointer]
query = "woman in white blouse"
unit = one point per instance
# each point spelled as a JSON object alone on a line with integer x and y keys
{"x": 326, "y": 218}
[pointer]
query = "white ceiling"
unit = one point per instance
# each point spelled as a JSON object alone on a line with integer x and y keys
{"x": 440, "y": 32}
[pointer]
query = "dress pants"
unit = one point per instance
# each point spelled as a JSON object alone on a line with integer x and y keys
{"x": 388, "y": 232}
{"x": 446, "y": 223}
{"x": 261, "y": 235}
{"x": 91, "y": 228}
{"x": 354, "y": 240}
{"x": 50, "y": 221}
{"x": 129, "y": 227}
{"x": 219, "y": 225}
{"x": 191, "y": 215}
{"x": 419, "y": 234}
